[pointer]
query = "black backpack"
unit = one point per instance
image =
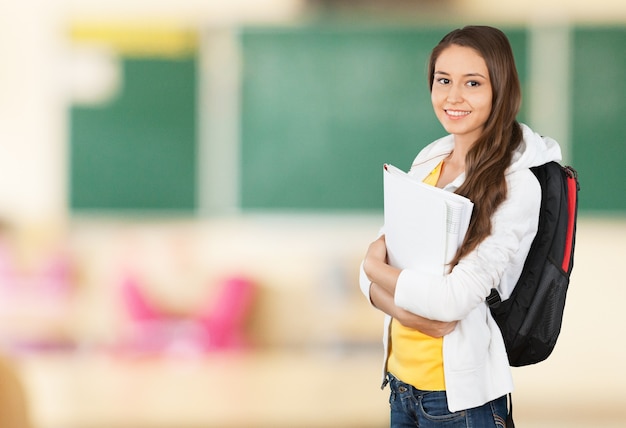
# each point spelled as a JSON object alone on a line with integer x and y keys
{"x": 530, "y": 319}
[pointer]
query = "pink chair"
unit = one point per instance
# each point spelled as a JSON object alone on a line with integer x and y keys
{"x": 219, "y": 326}
{"x": 224, "y": 319}
{"x": 135, "y": 302}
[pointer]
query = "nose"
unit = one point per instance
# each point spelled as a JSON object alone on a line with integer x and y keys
{"x": 454, "y": 94}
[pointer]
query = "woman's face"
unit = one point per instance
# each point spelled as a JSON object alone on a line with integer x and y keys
{"x": 461, "y": 92}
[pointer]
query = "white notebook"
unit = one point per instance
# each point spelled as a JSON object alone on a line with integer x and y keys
{"x": 424, "y": 225}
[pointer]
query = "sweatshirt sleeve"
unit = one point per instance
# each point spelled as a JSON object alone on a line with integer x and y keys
{"x": 496, "y": 262}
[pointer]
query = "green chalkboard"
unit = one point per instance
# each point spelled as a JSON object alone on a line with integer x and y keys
{"x": 323, "y": 108}
{"x": 138, "y": 152}
{"x": 599, "y": 109}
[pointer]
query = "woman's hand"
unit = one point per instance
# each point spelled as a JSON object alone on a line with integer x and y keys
{"x": 377, "y": 251}
{"x": 430, "y": 327}
{"x": 383, "y": 300}
{"x": 384, "y": 278}
{"x": 376, "y": 267}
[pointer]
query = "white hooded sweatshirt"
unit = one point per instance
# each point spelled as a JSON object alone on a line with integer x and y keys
{"x": 476, "y": 366}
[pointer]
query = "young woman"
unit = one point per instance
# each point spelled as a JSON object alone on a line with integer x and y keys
{"x": 445, "y": 357}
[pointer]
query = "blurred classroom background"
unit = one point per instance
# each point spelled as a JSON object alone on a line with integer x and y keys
{"x": 187, "y": 188}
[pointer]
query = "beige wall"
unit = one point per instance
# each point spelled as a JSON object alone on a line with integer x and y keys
{"x": 546, "y": 10}
{"x": 34, "y": 73}
{"x": 32, "y": 118}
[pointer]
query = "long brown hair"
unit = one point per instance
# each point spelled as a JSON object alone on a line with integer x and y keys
{"x": 490, "y": 155}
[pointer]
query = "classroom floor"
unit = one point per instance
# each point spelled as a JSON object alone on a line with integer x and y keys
{"x": 266, "y": 389}
{"x": 263, "y": 390}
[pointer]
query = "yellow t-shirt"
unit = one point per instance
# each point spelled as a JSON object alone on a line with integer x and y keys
{"x": 414, "y": 357}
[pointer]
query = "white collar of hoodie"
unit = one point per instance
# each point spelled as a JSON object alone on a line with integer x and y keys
{"x": 534, "y": 150}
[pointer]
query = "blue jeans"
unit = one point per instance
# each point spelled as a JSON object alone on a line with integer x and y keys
{"x": 411, "y": 407}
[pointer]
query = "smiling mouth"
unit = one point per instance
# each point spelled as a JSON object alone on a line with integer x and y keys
{"x": 457, "y": 113}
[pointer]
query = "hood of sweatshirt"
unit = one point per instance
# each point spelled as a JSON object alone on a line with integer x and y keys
{"x": 534, "y": 150}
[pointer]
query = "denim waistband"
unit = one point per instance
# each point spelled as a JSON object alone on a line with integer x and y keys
{"x": 397, "y": 385}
